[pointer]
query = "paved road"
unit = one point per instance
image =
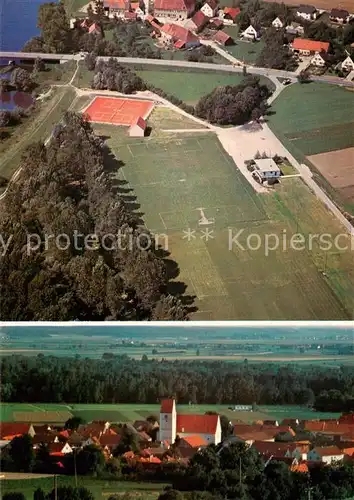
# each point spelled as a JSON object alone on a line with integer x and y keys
{"x": 177, "y": 64}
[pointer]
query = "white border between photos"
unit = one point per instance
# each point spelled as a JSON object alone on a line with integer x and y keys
{"x": 224, "y": 324}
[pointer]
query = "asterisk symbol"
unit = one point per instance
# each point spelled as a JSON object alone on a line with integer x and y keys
{"x": 189, "y": 234}
{"x": 207, "y": 234}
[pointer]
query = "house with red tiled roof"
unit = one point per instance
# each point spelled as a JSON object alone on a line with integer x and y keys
{"x": 10, "y": 430}
{"x": 308, "y": 47}
{"x": 172, "y": 424}
{"x": 223, "y": 38}
{"x": 176, "y": 34}
{"x": 95, "y": 29}
{"x": 210, "y": 8}
{"x": 215, "y": 24}
{"x": 198, "y": 21}
{"x": 325, "y": 454}
{"x": 117, "y": 7}
{"x": 174, "y": 9}
{"x": 193, "y": 441}
{"x": 59, "y": 449}
{"x": 230, "y": 14}
{"x": 347, "y": 418}
{"x": 111, "y": 441}
{"x": 300, "y": 467}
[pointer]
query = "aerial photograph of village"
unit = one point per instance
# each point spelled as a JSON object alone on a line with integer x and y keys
{"x": 177, "y": 412}
{"x": 176, "y": 250}
{"x": 176, "y": 159}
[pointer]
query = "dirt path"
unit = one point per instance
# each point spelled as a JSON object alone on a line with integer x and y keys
{"x": 22, "y": 475}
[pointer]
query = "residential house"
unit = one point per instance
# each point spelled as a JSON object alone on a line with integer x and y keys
{"x": 325, "y": 454}
{"x": 109, "y": 441}
{"x": 194, "y": 442}
{"x": 250, "y": 33}
{"x": 198, "y": 21}
{"x": 266, "y": 169}
{"x": 59, "y": 449}
{"x": 300, "y": 467}
{"x": 307, "y": 47}
{"x": 154, "y": 23}
{"x": 295, "y": 29}
{"x": 250, "y": 437}
{"x": 223, "y": 38}
{"x": 10, "y": 430}
{"x": 347, "y": 418}
{"x": 174, "y": 9}
{"x": 272, "y": 448}
{"x": 347, "y": 65}
{"x": 297, "y": 450}
{"x": 230, "y": 14}
{"x": 291, "y": 422}
{"x": 172, "y": 424}
{"x": 347, "y": 447}
{"x": 271, "y": 423}
{"x": 278, "y": 23}
{"x": 179, "y": 36}
{"x": 307, "y": 12}
{"x": 340, "y": 16}
{"x": 95, "y": 29}
{"x": 116, "y": 7}
{"x": 210, "y": 8}
{"x": 47, "y": 439}
{"x": 130, "y": 15}
{"x": 319, "y": 59}
{"x": 215, "y": 24}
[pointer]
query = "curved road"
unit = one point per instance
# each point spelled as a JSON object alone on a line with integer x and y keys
{"x": 177, "y": 64}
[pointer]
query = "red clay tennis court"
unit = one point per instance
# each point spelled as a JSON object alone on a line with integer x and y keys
{"x": 117, "y": 111}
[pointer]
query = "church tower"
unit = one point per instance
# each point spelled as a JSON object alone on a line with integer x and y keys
{"x": 168, "y": 420}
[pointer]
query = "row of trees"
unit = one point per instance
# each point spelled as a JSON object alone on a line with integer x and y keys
{"x": 65, "y": 193}
{"x": 124, "y": 380}
{"x": 218, "y": 472}
{"x": 113, "y": 76}
{"x": 234, "y": 104}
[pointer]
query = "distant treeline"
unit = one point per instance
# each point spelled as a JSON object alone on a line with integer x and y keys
{"x": 50, "y": 379}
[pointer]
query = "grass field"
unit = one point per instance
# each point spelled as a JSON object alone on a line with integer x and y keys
{"x": 187, "y": 85}
{"x": 163, "y": 118}
{"x": 131, "y": 412}
{"x": 180, "y": 176}
{"x": 101, "y": 489}
{"x": 35, "y": 129}
{"x": 306, "y": 126}
{"x": 314, "y": 118}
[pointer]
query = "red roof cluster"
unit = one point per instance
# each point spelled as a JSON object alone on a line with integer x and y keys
{"x": 10, "y": 430}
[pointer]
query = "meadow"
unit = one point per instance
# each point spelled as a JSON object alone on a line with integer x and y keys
{"x": 36, "y": 128}
{"x": 117, "y": 413}
{"x": 183, "y": 178}
{"x": 100, "y": 488}
{"x": 308, "y": 127}
{"x": 314, "y": 118}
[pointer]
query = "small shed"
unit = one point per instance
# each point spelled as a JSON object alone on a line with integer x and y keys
{"x": 138, "y": 127}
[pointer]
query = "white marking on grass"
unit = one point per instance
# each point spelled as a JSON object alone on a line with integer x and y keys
{"x": 163, "y": 222}
{"x": 204, "y": 221}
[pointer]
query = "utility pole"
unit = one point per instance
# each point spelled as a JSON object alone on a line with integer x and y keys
{"x": 55, "y": 487}
{"x": 75, "y": 467}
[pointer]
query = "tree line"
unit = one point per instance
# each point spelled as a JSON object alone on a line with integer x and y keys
{"x": 66, "y": 197}
{"x": 235, "y": 471}
{"x": 49, "y": 379}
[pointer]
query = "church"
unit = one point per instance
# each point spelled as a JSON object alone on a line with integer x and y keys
{"x": 172, "y": 424}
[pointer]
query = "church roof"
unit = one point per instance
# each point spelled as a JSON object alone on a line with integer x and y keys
{"x": 197, "y": 424}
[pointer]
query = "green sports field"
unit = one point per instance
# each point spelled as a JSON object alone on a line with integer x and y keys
{"x": 180, "y": 182}
{"x": 314, "y": 118}
{"x": 131, "y": 412}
